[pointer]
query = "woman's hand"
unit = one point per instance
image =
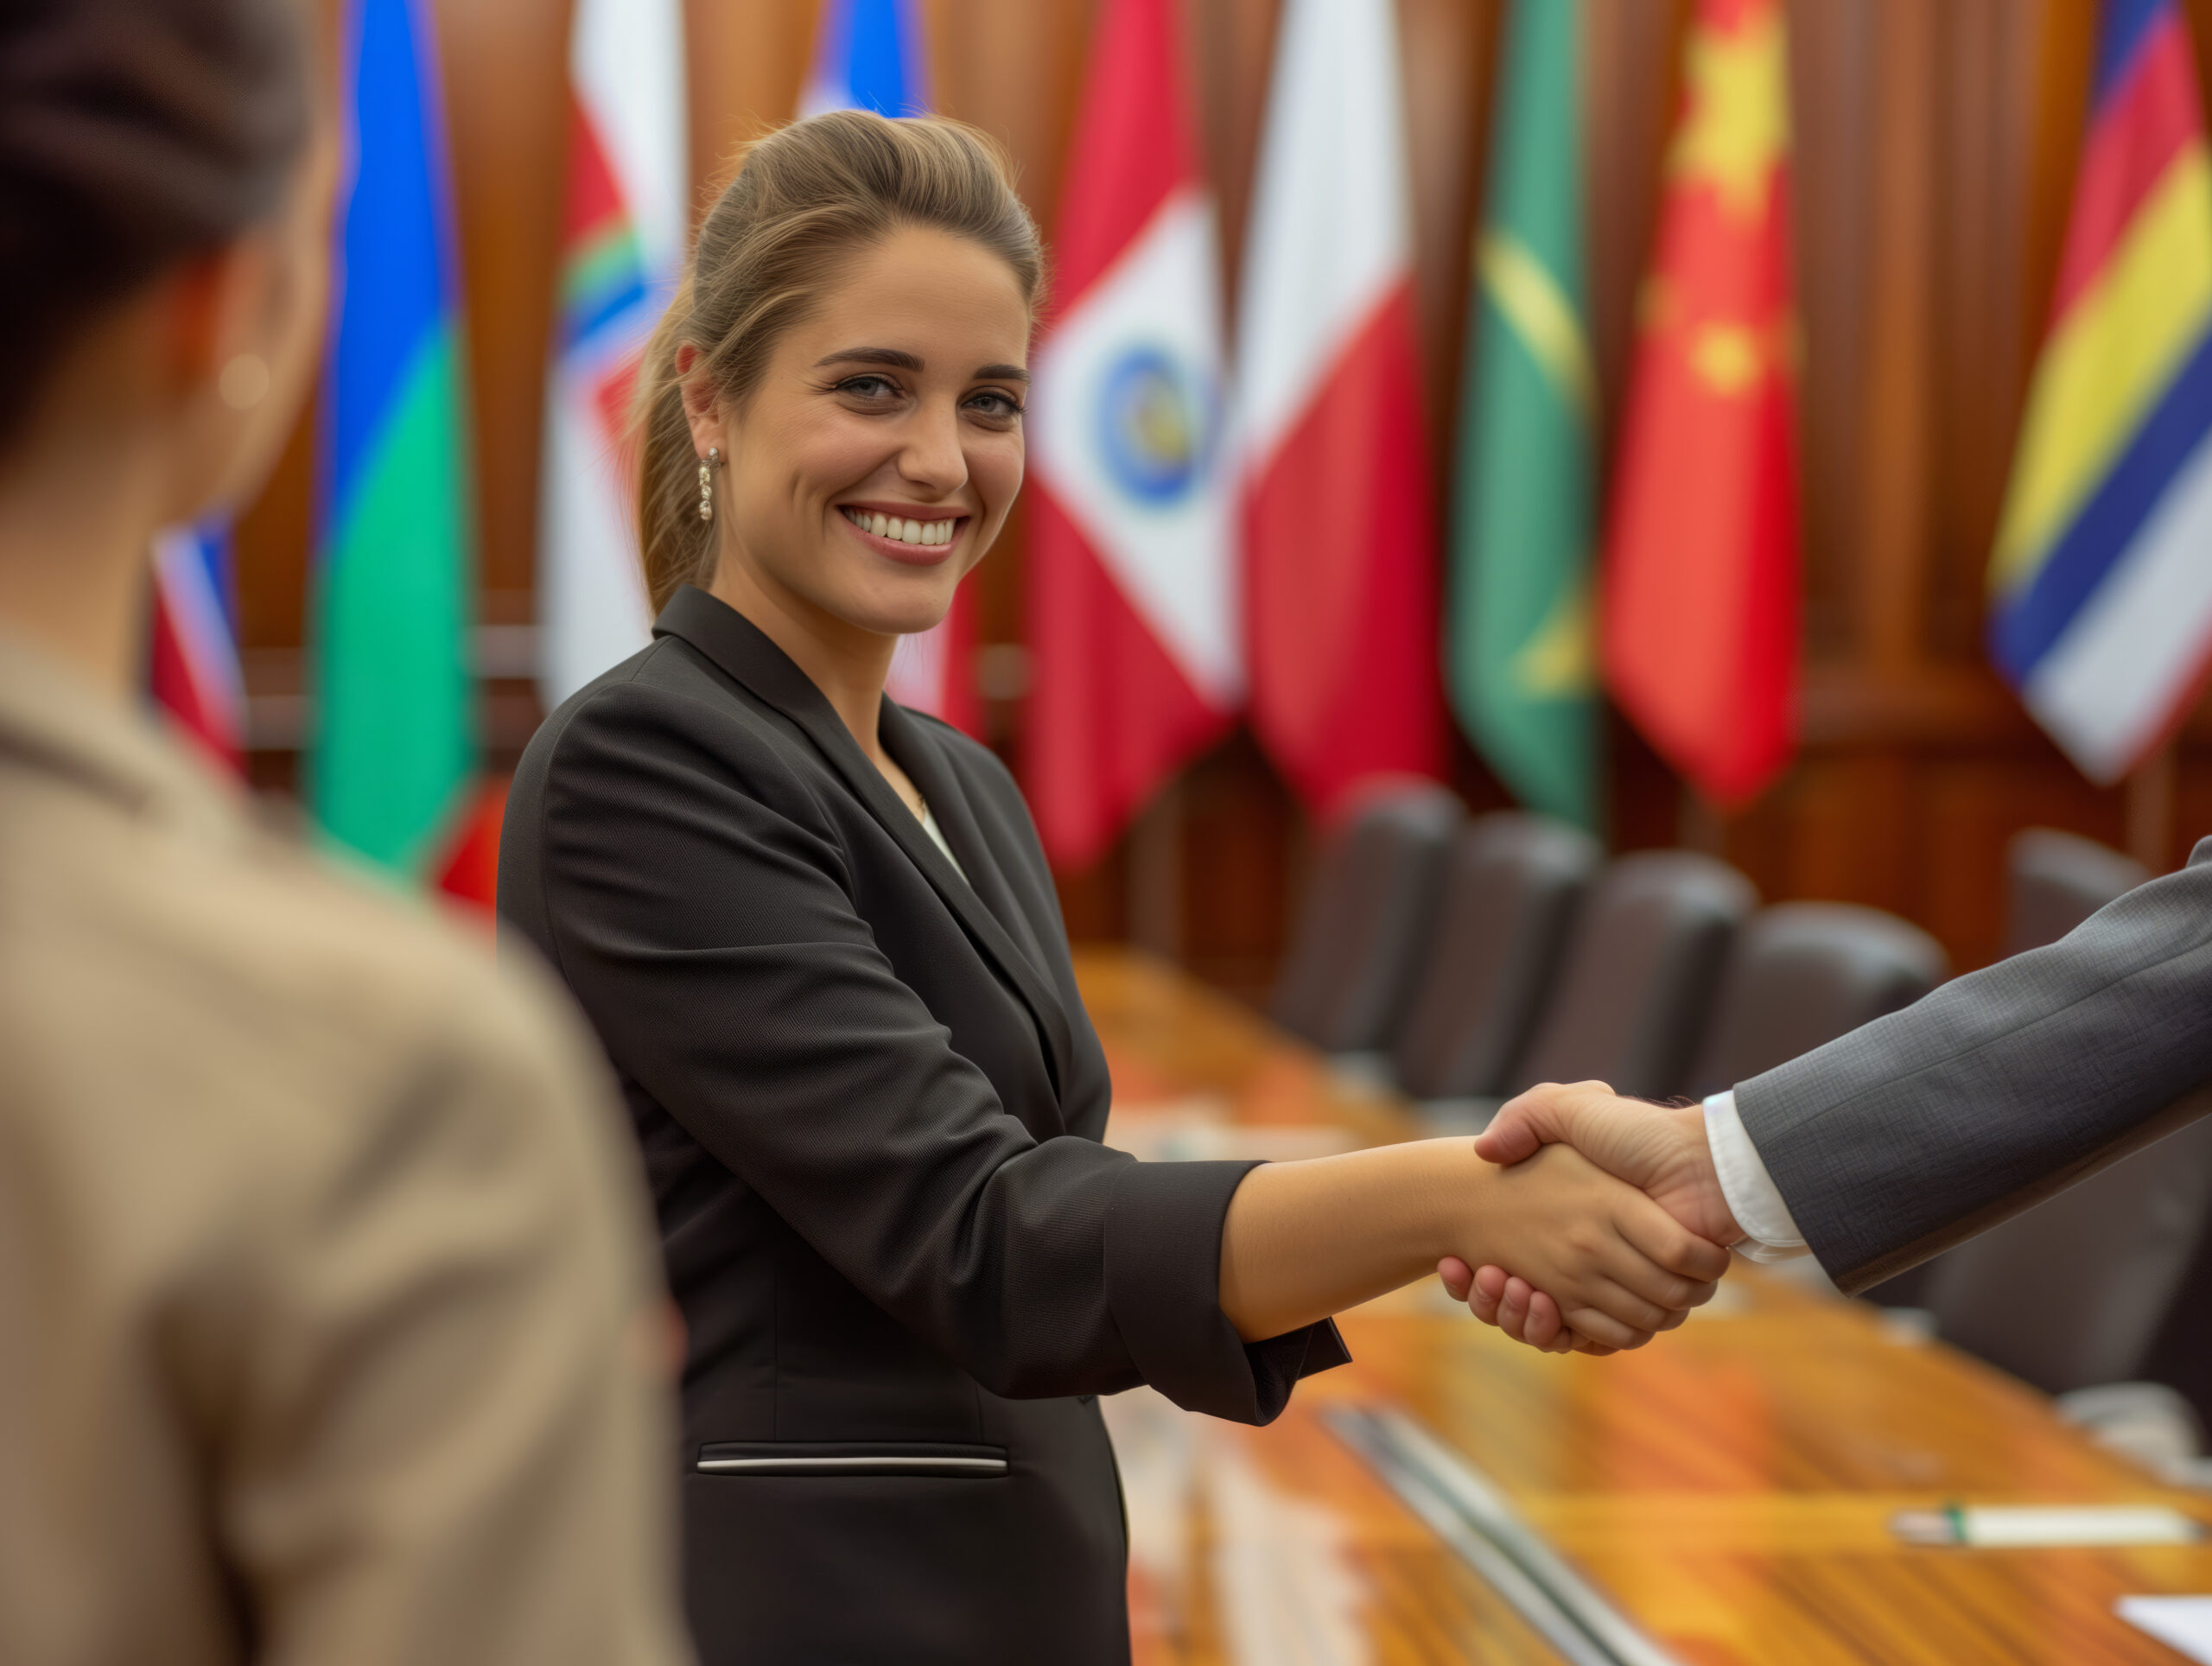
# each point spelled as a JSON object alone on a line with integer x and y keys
{"x": 1303, "y": 1240}
{"x": 1614, "y": 1267}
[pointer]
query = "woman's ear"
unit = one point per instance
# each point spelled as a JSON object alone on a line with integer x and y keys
{"x": 702, "y": 404}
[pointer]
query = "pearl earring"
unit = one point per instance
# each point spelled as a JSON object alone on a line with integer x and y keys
{"x": 707, "y": 464}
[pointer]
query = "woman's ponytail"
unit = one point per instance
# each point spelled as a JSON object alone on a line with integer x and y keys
{"x": 677, "y": 547}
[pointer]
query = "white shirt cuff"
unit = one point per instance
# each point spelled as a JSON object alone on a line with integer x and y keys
{"x": 1754, "y": 1198}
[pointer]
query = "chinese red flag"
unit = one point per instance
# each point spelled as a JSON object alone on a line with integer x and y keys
{"x": 1699, "y": 622}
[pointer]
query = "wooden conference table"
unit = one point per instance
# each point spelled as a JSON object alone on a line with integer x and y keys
{"x": 1728, "y": 1490}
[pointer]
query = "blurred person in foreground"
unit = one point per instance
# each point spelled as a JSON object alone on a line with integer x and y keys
{"x": 327, "y": 1326}
{"x": 1893, "y": 1143}
{"x": 820, "y": 941}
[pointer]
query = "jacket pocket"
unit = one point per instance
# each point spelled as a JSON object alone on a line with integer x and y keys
{"x": 930, "y": 1459}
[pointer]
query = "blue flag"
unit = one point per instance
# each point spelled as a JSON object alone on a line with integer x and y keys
{"x": 868, "y": 56}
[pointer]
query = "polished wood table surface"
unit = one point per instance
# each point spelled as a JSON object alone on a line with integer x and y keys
{"x": 1728, "y": 1488}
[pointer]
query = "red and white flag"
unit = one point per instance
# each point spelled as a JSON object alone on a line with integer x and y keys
{"x": 1340, "y": 540}
{"x": 1132, "y": 625}
{"x": 623, "y": 232}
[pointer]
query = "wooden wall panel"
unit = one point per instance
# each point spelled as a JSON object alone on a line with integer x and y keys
{"x": 1934, "y": 146}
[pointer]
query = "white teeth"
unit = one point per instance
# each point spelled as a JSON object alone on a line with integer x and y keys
{"x": 897, "y": 528}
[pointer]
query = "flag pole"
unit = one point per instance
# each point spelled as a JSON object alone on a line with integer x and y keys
{"x": 2151, "y": 795}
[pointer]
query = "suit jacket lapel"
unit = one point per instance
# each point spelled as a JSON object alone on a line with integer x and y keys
{"x": 742, "y": 650}
{"x": 921, "y": 755}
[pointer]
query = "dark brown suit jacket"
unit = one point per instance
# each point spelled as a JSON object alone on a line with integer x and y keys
{"x": 870, "y": 1105}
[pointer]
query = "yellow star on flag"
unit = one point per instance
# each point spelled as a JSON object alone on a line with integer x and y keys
{"x": 1737, "y": 127}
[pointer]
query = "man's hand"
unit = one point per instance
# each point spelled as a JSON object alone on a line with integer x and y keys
{"x": 1660, "y": 1149}
{"x": 1617, "y": 1265}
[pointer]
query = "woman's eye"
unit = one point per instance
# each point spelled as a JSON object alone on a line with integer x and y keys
{"x": 994, "y": 404}
{"x": 868, "y": 387}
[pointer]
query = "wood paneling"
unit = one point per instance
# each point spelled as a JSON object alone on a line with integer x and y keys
{"x": 1934, "y": 149}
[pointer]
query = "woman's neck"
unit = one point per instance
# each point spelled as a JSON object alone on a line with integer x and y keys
{"x": 849, "y": 664}
{"x": 76, "y": 522}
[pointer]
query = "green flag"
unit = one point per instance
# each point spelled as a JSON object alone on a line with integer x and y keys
{"x": 1519, "y": 637}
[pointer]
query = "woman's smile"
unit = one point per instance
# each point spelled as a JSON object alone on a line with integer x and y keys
{"x": 912, "y": 533}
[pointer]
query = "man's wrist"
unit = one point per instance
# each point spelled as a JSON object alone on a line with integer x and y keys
{"x": 1713, "y": 1206}
{"x": 1753, "y": 1202}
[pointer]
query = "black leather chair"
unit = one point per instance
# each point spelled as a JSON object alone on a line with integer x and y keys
{"x": 1804, "y": 973}
{"x": 1511, "y": 890}
{"x": 2055, "y": 880}
{"x": 1642, "y": 968}
{"x": 1366, "y": 921}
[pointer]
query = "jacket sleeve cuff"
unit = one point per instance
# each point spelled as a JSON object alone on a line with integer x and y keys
{"x": 1163, "y": 1283}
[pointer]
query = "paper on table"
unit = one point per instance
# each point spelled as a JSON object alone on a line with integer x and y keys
{"x": 2181, "y": 1623}
{"x": 2017, "y": 1527}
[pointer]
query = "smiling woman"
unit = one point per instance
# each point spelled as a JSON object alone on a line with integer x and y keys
{"x": 821, "y": 944}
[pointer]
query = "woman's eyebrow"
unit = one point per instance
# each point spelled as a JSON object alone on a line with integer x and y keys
{"x": 891, "y": 356}
{"x": 898, "y": 358}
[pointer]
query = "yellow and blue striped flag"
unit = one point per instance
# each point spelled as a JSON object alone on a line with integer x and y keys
{"x": 2101, "y": 588}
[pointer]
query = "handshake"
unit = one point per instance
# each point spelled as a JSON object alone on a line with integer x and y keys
{"x": 1555, "y": 1298}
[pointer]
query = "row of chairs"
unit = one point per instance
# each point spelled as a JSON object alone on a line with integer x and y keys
{"x": 1461, "y": 960}
{"x": 1464, "y": 960}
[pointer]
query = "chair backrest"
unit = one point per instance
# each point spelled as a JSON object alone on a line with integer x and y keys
{"x": 1511, "y": 888}
{"x": 1365, "y": 926}
{"x": 2073, "y": 1292}
{"x": 1641, "y": 969}
{"x": 2055, "y": 880}
{"x": 1804, "y": 973}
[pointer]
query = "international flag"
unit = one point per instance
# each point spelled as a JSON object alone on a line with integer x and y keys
{"x": 394, "y": 754}
{"x": 1132, "y": 625}
{"x": 1699, "y": 618}
{"x": 193, "y": 650}
{"x": 1520, "y": 638}
{"x": 623, "y": 222}
{"x": 869, "y": 55}
{"x": 1340, "y": 543}
{"x": 2101, "y": 588}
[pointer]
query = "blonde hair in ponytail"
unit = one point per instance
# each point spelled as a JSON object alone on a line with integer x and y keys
{"x": 805, "y": 195}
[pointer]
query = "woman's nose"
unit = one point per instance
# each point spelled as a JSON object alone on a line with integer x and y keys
{"x": 932, "y": 457}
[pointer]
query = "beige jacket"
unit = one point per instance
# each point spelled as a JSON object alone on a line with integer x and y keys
{"x": 328, "y": 1313}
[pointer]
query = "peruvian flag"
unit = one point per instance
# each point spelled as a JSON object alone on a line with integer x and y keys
{"x": 1132, "y": 585}
{"x": 1340, "y": 534}
{"x": 1700, "y": 619}
{"x": 622, "y": 244}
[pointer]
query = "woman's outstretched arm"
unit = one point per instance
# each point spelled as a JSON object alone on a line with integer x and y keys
{"x": 1303, "y": 1240}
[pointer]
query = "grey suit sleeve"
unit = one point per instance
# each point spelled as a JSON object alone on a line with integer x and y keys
{"x": 1925, "y": 1128}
